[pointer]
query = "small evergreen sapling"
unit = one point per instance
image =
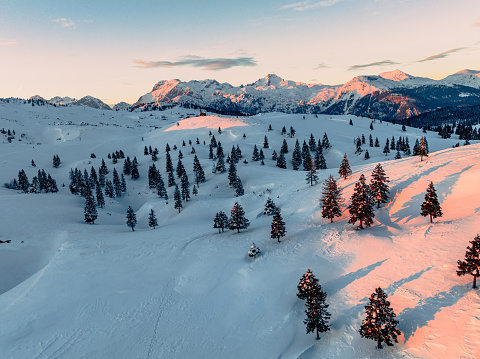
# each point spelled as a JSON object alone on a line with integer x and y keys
{"x": 270, "y": 207}
{"x": 131, "y": 218}
{"x": 254, "y": 251}
{"x": 344, "y": 169}
{"x": 312, "y": 172}
{"x": 380, "y": 324}
{"x": 431, "y": 206}
{"x": 278, "y": 226}
{"x": 471, "y": 264}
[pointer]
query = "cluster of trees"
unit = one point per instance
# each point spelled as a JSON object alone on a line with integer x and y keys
{"x": 301, "y": 156}
{"x": 237, "y": 220}
{"x": 116, "y": 155}
{"x": 41, "y": 182}
{"x": 379, "y": 325}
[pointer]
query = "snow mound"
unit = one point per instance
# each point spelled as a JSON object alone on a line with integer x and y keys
{"x": 207, "y": 122}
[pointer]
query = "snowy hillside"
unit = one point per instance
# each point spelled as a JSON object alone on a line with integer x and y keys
{"x": 183, "y": 290}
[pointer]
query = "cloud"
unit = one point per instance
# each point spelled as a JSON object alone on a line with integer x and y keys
{"x": 320, "y": 66}
{"x": 64, "y": 22}
{"x": 442, "y": 54}
{"x": 197, "y": 61}
{"x": 477, "y": 24}
{"x": 379, "y": 63}
{"x": 307, "y": 5}
{"x": 7, "y": 42}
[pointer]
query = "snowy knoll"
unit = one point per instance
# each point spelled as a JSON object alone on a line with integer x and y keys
{"x": 184, "y": 290}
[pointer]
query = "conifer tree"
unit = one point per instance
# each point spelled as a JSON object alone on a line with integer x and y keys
{"x": 378, "y": 185}
{"x": 325, "y": 142}
{"x": 127, "y": 166}
{"x": 198, "y": 171}
{"x": 100, "y": 198}
{"x": 220, "y": 150}
{"x": 109, "y": 190}
{"x": 261, "y": 156}
{"x": 398, "y": 155}
{"x": 278, "y": 226}
{"x": 103, "y": 168}
{"x": 220, "y": 221}
{"x": 220, "y": 166}
{"x": 265, "y": 142}
{"x": 237, "y": 218}
{"x": 270, "y": 207}
{"x": 305, "y": 156}
{"x": 311, "y": 143}
{"x": 255, "y": 155}
{"x": 23, "y": 183}
{"x": 152, "y": 176}
{"x": 344, "y": 169}
{"x": 168, "y": 163}
{"x": 422, "y": 148}
{"x": 194, "y": 190}
{"x": 281, "y": 161}
{"x": 431, "y": 206}
{"x": 135, "y": 174}
{"x": 56, "y": 161}
{"x": 306, "y": 285}
{"x": 331, "y": 200}
{"x": 317, "y": 314}
{"x": 90, "y": 210}
{"x": 123, "y": 183}
{"x": 185, "y": 184}
{"x": 370, "y": 139}
{"x": 131, "y": 218}
{"x": 117, "y": 185}
{"x": 386, "y": 149}
{"x": 274, "y": 155}
{"x": 232, "y": 174}
{"x": 380, "y": 324}
{"x": 312, "y": 172}
{"x": 178, "y": 199}
{"x": 253, "y": 251}
{"x": 367, "y": 155}
{"x": 377, "y": 142}
{"x": 171, "y": 179}
{"x": 180, "y": 168}
{"x": 471, "y": 264}
{"x": 361, "y": 207}
{"x": 296, "y": 156}
{"x": 152, "y": 219}
{"x": 284, "y": 148}
{"x": 35, "y": 185}
{"x": 239, "y": 191}
{"x": 161, "y": 190}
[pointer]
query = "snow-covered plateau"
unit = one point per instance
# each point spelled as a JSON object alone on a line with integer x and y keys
{"x": 69, "y": 289}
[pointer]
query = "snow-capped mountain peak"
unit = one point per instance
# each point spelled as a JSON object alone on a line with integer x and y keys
{"x": 395, "y": 75}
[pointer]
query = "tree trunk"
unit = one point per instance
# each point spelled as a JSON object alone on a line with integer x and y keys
{"x": 474, "y": 282}
{"x": 331, "y": 220}
{"x": 431, "y": 219}
{"x": 238, "y": 230}
{"x": 378, "y": 204}
{"x": 318, "y": 337}
{"x": 360, "y": 226}
{"x": 133, "y": 228}
{"x": 379, "y": 344}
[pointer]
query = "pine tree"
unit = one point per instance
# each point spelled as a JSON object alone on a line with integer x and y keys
{"x": 331, "y": 200}
{"x": 311, "y": 143}
{"x": 90, "y": 210}
{"x": 325, "y": 142}
{"x": 109, "y": 190}
{"x": 161, "y": 190}
{"x": 361, "y": 207}
{"x": 344, "y": 169}
{"x": 278, "y": 226}
{"x": 261, "y": 156}
{"x": 135, "y": 174}
{"x": 168, "y": 163}
{"x": 152, "y": 219}
{"x": 380, "y": 324}
{"x": 378, "y": 185}
{"x": 194, "y": 190}
{"x": 317, "y": 314}
{"x": 220, "y": 167}
{"x": 178, "y": 199}
{"x": 131, "y": 218}
{"x": 377, "y": 142}
{"x": 284, "y": 148}
{"x": 270, "y": 207}
{"x": 367, "y": 155}
{"x": 296, "y": 156}
{"x": 198, "y": 171}
{"x": 265, "y": 142}
{"x": 422, "y": 148}
{"x": 23, "y": 183}
{"x": 232, "y": 174}
{"x": 100, "y": 198}
{"x": 281, "y": 161}
{"x": 254, "y": 251}
{"x": 307, "y": 283}
{"x": 35, "y": 185}
{"x": 117, "y": 185}
{"x": 255, "y": 155}
{"x": 312, "y": 172}
{"x": 471, "y": 265}
{"x": 398, "y": 155}
{"x": 239, "y": 191}
{"x": 386, "y": 149}
{"x": 185, "y": 184}
{"x": 237, "y": 218}
{"x": 274, "y": 155}
{"x": 305, "y": 156}
{"x": 123, "y": 183}
{"x": 220, "y": 221}
{"x": 180, "y": 168}
{"x": 171, "y": 179}
{"x": 56, "y": 161}
{"x": 431, "y": 206}
{"x": 370, "y": 139}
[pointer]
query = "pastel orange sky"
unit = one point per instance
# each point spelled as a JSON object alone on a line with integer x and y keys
{"x": 117, "y": 50}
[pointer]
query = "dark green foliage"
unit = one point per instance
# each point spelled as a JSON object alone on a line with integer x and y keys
{"x": 431, "y": 206}
{"x": 380, "y": 324}
{"x": 284, "y": 148}
{"x": 254, "y": 251}
{"x": 100, "y": 198}
{"x": 378, "y": 185}
{"x": 232, "y": 174}
{"x": 152, "y": 219}
{"x": 331, "y": 199}
{"x": 270, "y": 207}
{"x": 185, "y": 184}
{"x": 131, "y": 218}
{"x": 312, "y": 172}
{"x": 135, "y": 174}
{"x": 265, "y": 142}
{"x": 471, "y": 264}
{"x": 281, "y": 161}
{"x": 361, "y": 207}
{"x": 178, "y": 199}
{"x": 344, "y": 169}
{"x": 56, "y": 161}
{"x": 90, "y": 210}
{"x": 237, "y": 218}
{"x": 305, "y": 156}
{"x": 220, "y": 221}
{"x": 296, "y": 156}
{"x": 278, "y": 226}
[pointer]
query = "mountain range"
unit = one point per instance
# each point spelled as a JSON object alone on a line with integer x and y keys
{"x": 388, "y": 96}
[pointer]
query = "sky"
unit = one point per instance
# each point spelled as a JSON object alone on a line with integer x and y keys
{"x": 117, "y": 50}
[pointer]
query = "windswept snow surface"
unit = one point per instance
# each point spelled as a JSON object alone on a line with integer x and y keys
{"x": 73, "y": 290}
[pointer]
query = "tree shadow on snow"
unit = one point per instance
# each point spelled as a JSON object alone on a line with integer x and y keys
{"x": 338, "y": 284}
{"x": 413, "y": 318}
{"x": 391, "y": 289}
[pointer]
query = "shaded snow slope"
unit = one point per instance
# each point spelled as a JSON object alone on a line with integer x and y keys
{"x": 183, "y": 290}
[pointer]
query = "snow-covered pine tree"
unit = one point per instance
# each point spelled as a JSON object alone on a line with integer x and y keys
{"x": 317, "y": 314}
{"x": 380, "y": 324}
{"x": 312, "y": 172}
{"x": 232, "y": 174}
{"x": 237, "y": 218}
{"x": 152, "y": 219}
{"x": 344, "y": 169}
{"x": 239, "y": 191}
{"x": 220, "y": 221}
{"x": 123, "y": 183}
{"x": 253, "y": 251}
{"x": 117, "y": 185}
{"x": 220, "y": 150}
{"x": 220, "y": 166}
{"x": 35, "y": 185}
{"x": 378, "y": 185}
{"x": 471, "y": 264}
{"x": 178, "y": 199}
{"x": 135, "y": 174}
{"x": 306, "y": 285}
{"x": 23, "y": 183}
{"x": 180, "y": 168}
{"x": 131, "y": 218}
{"x": 265, "y": 142}
{"x": 274, "y": 155}
{"x": 100, "y": 198}
{"x": 367, "y": 155}
{"x": 168, "y": 163}
{"x": 171, "y": 179}
{"x": 361, "y": 207}
{"x": 431, "y": 206}
{"x": 270, "y": 207}
{"x": 312, "y": 143}
{"x": 296, "y": 156}
{"x": 185, "y": 184}
{"x": 284, "y": 148}
{"x": 194, "y": 190}
{"x": 305, "y": 156}
{"x": 422, "y": 148}
{"x": 109, "y": 190}
{"x": 278, "y": 226}
{"x": 90, "y": 210}
{"x": 255, "y": 155}
{"x": 198, "y": 171}
{"x": 127, "y": 166}
{"x": 161, "y": 190}
{"x": 325, "y": 142}
{"x": 386, "y": 149}
{"x": 331, "y": 200}
{"x": 56, "y": 161}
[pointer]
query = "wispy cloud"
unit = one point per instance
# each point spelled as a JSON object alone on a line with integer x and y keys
{"x": 320, "y": 66}
{"x": 307, "y": 5}
{"x": 64, "y": 22}
{"x": 7, "y": 42}
{"x": 378, "y": 63}
{"x": 442, "y": 54}
{"x": 477, "y": 24}
{"x": 197, "y": 61}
